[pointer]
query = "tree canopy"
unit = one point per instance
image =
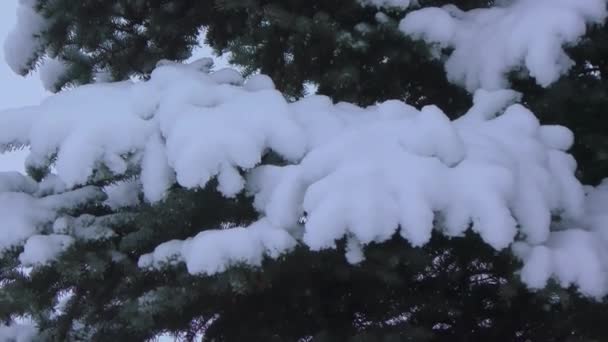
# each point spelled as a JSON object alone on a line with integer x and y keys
{"x": 428, "y": 191}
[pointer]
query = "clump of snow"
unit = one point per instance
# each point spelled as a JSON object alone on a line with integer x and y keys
{"x": 73, "y": 125}
{"x": 24, "y": 215}
{"x": 82, "y": 129}
{"x": 123, "y": 194}
{"x": 354, "y": 251}
{"x": 18, "y": 333}
{"x": 227, "y": 76}
{"x": 212, "y": 251}
{"x": 488, "y": 43}
{"x": 363, "y": 174}
{"x": 51, "y": 71}
{"x": 259, "y": 82}
{"x": 22, "y": 45}
{"x": 156, "y": 174}
{"x": 21, "y": 216}
{"x": 42, "y": 249}
{"x": 575, "y": 253}
{"x": 51, "y": 185}
{"x": 400, "y": 4}
{"x": 382, "y": 18}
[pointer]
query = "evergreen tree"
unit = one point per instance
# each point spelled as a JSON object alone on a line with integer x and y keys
{"x": 451, "y": 289}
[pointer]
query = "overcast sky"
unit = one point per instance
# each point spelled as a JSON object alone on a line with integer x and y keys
{"x": 15, "y": 91}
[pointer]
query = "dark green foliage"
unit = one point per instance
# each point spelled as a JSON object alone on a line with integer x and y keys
{"x": 104, "y": 278}
{"x": 447, "y": 293}
{"x": 337, "y": 45}
{"x": 123, "y": 37}
{"x": 451, "y": 290}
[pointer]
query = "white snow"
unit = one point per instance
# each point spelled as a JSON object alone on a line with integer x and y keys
{"x": 22, "y": 45}
{"x": 259, "y": 82}
{"x": 24, "y": 215}
{"x": 400, "y": 4}
{"x": 156, "y": 174}
{"x": 227, "y": 76}
{"x": 488, "y": 43}
{"x": 41, "y": 249}
{"x": 575, "y": 253}
{"x": 363, "y": 174}
{"x": 212, "y": 251}
{"x": 51, "y": 185}
{"x": 17, "y": 333}
{"x": 12, "y": 181}
{"x": 123, "y": 194}
{"x": 51, "y": 70}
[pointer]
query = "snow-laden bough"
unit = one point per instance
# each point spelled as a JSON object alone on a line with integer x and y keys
{"x": 364, "y": 174}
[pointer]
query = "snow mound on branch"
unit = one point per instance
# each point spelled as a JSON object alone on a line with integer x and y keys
{"x": 500, "y": 176}
{"x": 24, "y": 214}
{"x": 41, "y": 249}
{"x": 259, "y": 82}
{"x": 51, "y": 71}
{"x": 123, "y": 194}
{"x": 573, "y": 256}
{"x": 212, "y": 251}
{"x": 363, "y": 174}
{"x": 488, "y": 43}
{"x": 209, "y": 128}
{"x": 22, "y": 46}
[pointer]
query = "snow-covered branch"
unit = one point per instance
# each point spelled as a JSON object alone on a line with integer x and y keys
{"x": 363, "y": 174}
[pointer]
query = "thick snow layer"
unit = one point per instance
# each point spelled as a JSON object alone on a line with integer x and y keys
{"x": 208, "y": 128}
{"x": 476, "y": 170}
{"x": 363, "y": 174}
{"x": 488, "y": 43}
{"x": 22, "y": 45}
